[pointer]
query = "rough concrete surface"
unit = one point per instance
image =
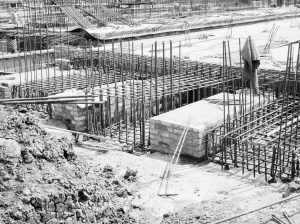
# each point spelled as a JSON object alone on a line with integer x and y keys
{"x": 166, "y": 129}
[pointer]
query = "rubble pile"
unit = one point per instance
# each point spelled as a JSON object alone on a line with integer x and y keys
{"x": 130, "y": 175}
{"x": 43, "y": 181}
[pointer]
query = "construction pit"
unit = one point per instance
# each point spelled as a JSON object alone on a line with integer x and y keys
{"x": 146, "y": 112}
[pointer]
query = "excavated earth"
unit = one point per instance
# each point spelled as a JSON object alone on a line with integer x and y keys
{"x": 43, "y": 181}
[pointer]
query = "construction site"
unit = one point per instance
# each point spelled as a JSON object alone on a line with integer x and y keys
{"x": 141, "y": 111}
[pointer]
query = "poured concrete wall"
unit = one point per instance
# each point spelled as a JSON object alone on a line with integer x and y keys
{"x": 166, "y": 129}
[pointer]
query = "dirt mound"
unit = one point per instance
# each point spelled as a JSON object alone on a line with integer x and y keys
{"x": 130, "y": 175}
{"x": 43, "y": 181}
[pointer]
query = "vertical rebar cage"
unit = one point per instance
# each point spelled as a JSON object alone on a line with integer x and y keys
{"x": 263, "y": 137}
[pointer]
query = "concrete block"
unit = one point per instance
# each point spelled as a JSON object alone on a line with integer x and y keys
{"x": 159, "y": 137}
{"x": 174, "y": 136}
{"x": 203, "y": 115}
{"x": 75, "y": 114}
{"x": 152, "y": 126}
{"x": 154, "y": 131}
{"x": 178, "y": 131}
{"x": 79, "y": 124}
{"x": 169, "y": 141}
{"x": 81, "y": 118}
{"x": 70, "y": 107}
{"x": 196, "y": 140}
{"x": 164, "y": 134}
{"x": 160, "y": 127}
{"x": 164, "y": 147}
{"x": 154, "y": 142}
{"x": 198, "y": 153}
{"x": 81, "y": 112}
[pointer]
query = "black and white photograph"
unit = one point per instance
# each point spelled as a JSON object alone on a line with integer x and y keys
{"x": 150, "y": 111}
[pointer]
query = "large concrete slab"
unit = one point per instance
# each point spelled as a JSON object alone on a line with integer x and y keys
{"x": 166, "y": 129}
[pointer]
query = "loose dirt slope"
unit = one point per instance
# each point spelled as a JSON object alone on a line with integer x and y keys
{"x": 43, "y": 181}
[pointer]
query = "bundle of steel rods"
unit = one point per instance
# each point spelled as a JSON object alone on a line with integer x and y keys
{"x": 84, "y": 99}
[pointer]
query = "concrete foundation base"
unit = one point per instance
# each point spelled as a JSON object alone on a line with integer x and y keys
{"x": 114, "y": 108}
{"x": 166, "y": 129}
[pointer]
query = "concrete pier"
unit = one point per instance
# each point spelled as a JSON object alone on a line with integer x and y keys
{"x": 166, "y": 129}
